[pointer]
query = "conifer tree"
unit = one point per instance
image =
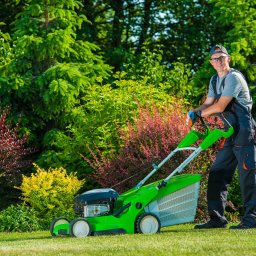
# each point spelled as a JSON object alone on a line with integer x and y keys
{"x": 50, "y": 69}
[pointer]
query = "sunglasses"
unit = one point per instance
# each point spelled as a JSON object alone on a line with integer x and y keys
{"x": 220, "y": 59}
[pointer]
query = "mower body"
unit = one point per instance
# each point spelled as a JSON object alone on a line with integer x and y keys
{"x": 108, "y": 213}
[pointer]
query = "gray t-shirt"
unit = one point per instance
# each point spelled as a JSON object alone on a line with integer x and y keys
{"x": 234, "y": 86}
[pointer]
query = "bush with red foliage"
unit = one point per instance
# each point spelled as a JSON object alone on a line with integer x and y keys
{"x": 154, "y": 134}
{"x": 13, "y": 152}
{"x": 12, "y": 148}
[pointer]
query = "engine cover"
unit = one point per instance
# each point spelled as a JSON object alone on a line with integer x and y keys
{"x": 96, "y": 202}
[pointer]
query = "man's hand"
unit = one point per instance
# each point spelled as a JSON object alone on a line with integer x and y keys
{"x": 192, "y": 116}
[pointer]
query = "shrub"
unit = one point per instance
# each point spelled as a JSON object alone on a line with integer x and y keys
{"x": 12, "y": 147}
{"x": 155, "y": 133}
{"x": 102, "y": 112}
{"x": 150, "y": 66}
{"x": 13, "y": 158}
{"x": 19, "y": 218}
{"x": 50, "y": 192}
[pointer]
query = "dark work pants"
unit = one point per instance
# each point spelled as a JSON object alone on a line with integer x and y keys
{"x": 221, "y": 173}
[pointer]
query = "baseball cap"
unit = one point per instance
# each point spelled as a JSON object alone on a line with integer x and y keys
{"x": 218, "y": 49}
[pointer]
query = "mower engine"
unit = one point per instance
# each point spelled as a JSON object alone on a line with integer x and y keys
{"x": 96, "y": 202}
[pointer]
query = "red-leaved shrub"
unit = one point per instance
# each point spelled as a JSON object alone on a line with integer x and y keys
{"x": 12, "y": 147}
{"x": 13, "y": 153}
{"x": 154, "y": 134}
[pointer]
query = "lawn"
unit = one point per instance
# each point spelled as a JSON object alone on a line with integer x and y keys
{"x": 176, "y": 240}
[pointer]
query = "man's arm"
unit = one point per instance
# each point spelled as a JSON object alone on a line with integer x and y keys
{"x": 209, "y": 107}
{"x": 207, "y": 103}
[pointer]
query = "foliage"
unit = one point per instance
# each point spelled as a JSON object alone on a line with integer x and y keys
{"x": 8, "y": 10}
{"x": 19, "y": 218}
{"x": 12, "y": 146}
{"x": 234, "y": 194}
{"x": 241, "y": 18}
{"x": 50, "y": 64}
{"x": 96, "y": 122}
{"x": 122, "y": 28}
{"x": 156, "y": 132}
{"x": 14, "y": 152}
{"x": 150, "y": 66}
{"x": 50, "y": 192}
{"x": 50, "y": 69}
{"x": 5, "y": 47}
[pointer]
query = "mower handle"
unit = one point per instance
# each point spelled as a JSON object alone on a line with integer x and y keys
{"x": 221, "y": 116}
{"x": 209, "y": 137}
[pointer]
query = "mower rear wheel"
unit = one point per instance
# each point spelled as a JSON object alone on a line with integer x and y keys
{"x": 80, "y": 227}
{"x": 56, "y": 222}
{"x": 148, "y": 223}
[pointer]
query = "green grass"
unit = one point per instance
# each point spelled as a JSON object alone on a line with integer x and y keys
{"x": 176, "y": 240}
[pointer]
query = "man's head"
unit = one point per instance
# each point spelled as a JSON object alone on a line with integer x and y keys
{"x": 219, "y": 58}
{"x": 219, "y": 49}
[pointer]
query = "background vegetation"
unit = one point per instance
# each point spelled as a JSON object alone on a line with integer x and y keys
{"x": 77, "y": 78}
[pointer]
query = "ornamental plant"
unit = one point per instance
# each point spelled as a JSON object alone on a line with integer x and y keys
{"x": 155, "y": 133}
{"x": 12, "y": 147}
{"x": 14, "y": 159}
{"x": 19, "y": 218}
{"x": 50, "y": 192}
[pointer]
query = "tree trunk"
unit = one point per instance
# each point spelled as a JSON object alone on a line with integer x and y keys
{"x": 145, "y": 24}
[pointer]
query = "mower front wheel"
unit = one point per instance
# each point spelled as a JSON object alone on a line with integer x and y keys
{"x": 80, "y": 227}
{"x": 55, "y": 223}
{"x": 148, "y": 223}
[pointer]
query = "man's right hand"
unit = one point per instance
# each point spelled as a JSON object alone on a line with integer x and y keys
{"x": 191, "y": 118}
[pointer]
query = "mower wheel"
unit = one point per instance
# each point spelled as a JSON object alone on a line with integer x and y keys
{"x": 80, "y": 227}
{"x": 148, "y": 223}
{"x": 56, "y": 222}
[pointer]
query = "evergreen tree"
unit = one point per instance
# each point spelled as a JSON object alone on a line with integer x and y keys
{"x": 50, "y": 69}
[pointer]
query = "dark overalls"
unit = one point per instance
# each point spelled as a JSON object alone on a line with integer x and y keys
{"x": 238, "y": 151}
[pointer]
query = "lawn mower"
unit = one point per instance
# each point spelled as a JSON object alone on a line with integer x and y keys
{"x": 144, "y": 208}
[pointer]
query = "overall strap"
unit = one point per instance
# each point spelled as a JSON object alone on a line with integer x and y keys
{"x": 214, "y": 80}
{"x": 214, "y": 86}
{"x": 214, "y": 83}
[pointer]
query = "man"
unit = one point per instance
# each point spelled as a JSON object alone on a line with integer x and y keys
{"x": 229, "y": 94}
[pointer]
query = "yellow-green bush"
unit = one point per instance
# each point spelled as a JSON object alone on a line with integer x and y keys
{"x": 50, "y": 192}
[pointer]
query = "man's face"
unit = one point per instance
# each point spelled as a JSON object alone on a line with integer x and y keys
{"x": 220, "y": 61}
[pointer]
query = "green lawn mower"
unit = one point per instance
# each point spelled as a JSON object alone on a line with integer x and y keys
{"x": 144, "y": 208}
